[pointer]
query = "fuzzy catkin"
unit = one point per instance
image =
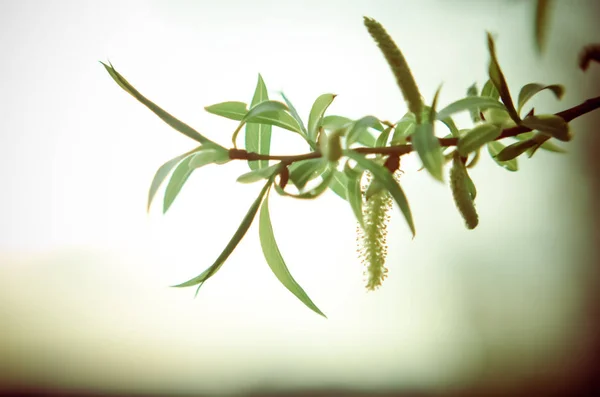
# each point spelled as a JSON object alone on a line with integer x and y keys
{"x": 372, "y": 240}
{"x": 460, "y": 192}
{"x": 399, "y": 66}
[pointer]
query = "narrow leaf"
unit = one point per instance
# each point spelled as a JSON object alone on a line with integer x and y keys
{"x": 237, "y": 111}
{"x": 462, "y": 192}
{"x": 489, "y": 90}
{"x": 338, "y": 184}
{"x": 496, "y": 147}
{"x": 547, "y": 145}
{"x": 477, "y": 137}
{"x": 499, "y": 81}
{"x": 258, "y": 174}
{"x": 516, "y": 149}
{"x": 360, "y": 126}
{"x": 404, "y": 128}
{"x": 237, "y": 237}
{"x": 381, "y": 174}
{"x": 469, "y": 103}
{"x": 303, "y": 171}
{"x": 260, "y": 109}
{"x": 295, "y": 115}
{"x": 549, "y": 124}
{"x": 162, "y": 173}
{"x": 166, "y": 117}
{"x": 529, "y": 90}
{"x": 258, "y": 136}
{"x": 354, "y": 192}
{"x": 316, "y": 115}
{"x": 429, "y": 150}
{"x": 275, "y": 260}
{"x": 475, "y": 112}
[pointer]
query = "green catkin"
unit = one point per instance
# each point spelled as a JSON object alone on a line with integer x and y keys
{"x": 372, "y": 240}
{"x": 399, "y": 66}
{"x": 460, "y": 192}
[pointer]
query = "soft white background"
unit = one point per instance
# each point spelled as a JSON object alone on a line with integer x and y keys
{"x": 84, "y": 270}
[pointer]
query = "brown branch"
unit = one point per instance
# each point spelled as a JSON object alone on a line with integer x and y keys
{"x": 568, "y": 115}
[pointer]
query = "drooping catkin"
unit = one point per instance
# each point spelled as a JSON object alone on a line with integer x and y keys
{"x": 372, "y": 240}
{"x": 399, "y": 66}
{"x": 460, "y": 192}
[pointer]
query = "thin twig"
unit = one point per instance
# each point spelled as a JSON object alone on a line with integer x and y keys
{"x": 568, "y": 115}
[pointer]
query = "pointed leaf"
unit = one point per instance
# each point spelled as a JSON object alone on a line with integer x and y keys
{"x": 549, "y": 146}
{"x": 499, "y": 81}
{"x": 258, "y": 136}
{"x": 275, "y": 260}
{"x": 381, "y": 174}
{"x": 163, "y": 171}
{"x": 469, "y": 103}
{"x": 496, "y": 147}
{"x": 360, "y": 126}
{"x": 185, "y": 169}
{"x": 475, "y": 112}
{"x": 549, "y": 124}
{"x": 516, "y": 149}
{"x": 315, "y": 192}
{"x": 477, "y": 137}
{"x": 338, "y": 184}
{"x": 316, "y": 114}
{"x": 237, "y": 237}
{"x": 355, "y": 192}
{"x": 529, "y": 90}
{"x": 260, "y": 109}
{"x": 429, "y": 150}
{"x": 166, "y": 117}
{"x": 258, "y": 174}
{"x": 303, "y": 171}
{"x": 237, "y": 111}
{"x": 295, "y": 115}
{"x": 404, "y": 128}
{"x": 489, "y": 90}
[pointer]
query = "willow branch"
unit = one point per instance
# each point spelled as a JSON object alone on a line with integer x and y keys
{"x": 399, "y": 150}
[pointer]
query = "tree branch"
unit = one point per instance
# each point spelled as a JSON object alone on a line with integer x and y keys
{"x": 399, "y": 150}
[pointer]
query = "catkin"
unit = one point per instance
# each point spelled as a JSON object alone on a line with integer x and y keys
{"x": 372, "y": 240}
{"x": 399, "y": 66}
{"x": 460, "y": 192}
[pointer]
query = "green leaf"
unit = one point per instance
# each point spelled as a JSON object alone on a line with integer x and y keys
{"x": 355, "y": 192}
{"x": 489, "y": 90}
{"x": 404, "y": 128}
{"x": 451, "y": 126}
{"x": 360, "y": 126}
{"x": 259, "y": 109}
{"x": 316, "y": 114}
{"x": 275, "y": 260}
{"x": 549, "y": 124}
{"x": 166, "y": 117}
{"x": 549, "y": 146}
{"x": 258, "y": 174}
{"x": 333, "y": 122}
{"x": 303, "y": 171}
{"x": 516, "y": 149}
{"x": 162, "y": 173}
{"x": 398, "y": 65}
{"x": 315, "y": 192}
{"x": 295, "y": 115}
{"x": 469, "y": 103}
{"x": 477, "y": 137}
{"x": 462, "y": 192}
{"x": 186, "y": 167}
{"x": 529, "y": 90}
{"x": 237, "y": 111}
{"x": 258, "y": 136}
{"x": 381, "y": 174}
{"x": 500, "y": 82}
{"x": 496, "y": 147}
{"x": 237, "y": 237}
{"x": 383, "y": 137}
{"x": 338, "y": 184}
{"x": 429, "y": 150}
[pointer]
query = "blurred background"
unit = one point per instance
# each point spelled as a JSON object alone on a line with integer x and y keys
{"x": 511, "y": 308}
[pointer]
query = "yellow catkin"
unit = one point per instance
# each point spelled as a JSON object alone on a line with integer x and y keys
{"x": 372, "y": 240}
{"x": 460, "y": 192}
{"x": 399, "y": 66}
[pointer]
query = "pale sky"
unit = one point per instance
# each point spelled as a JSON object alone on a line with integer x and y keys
{"x": 84, "y": 270}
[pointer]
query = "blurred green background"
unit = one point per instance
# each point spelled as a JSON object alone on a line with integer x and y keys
{"x": 84, "y": 271}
